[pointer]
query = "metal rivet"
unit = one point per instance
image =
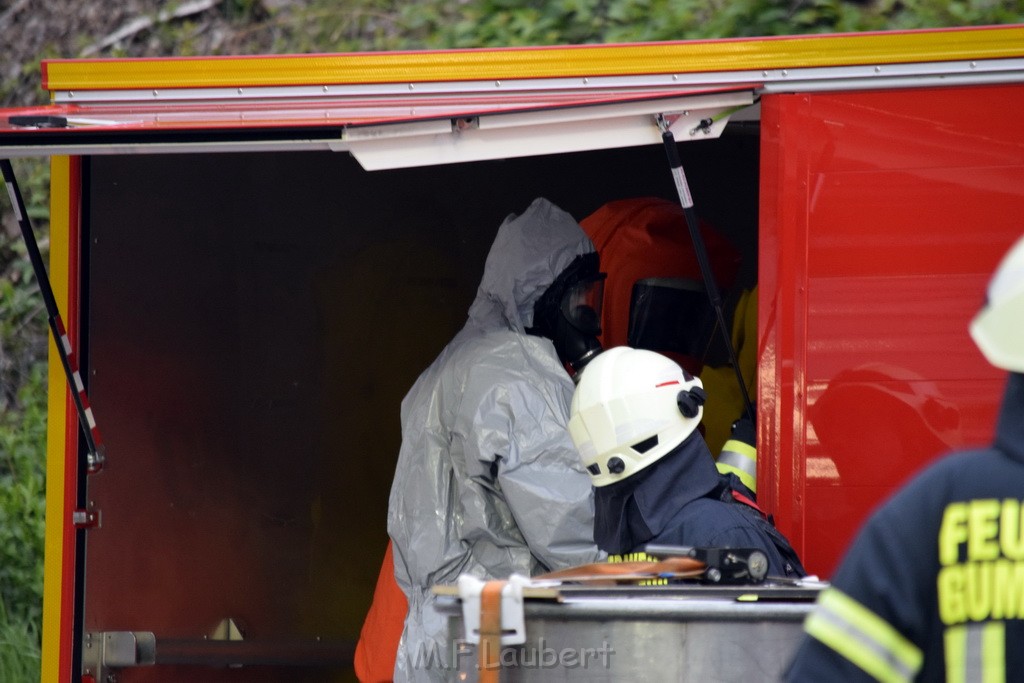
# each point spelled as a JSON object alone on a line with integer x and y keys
{"x": 156, "y": 93}
{"x": 497, "y": 84}
{"x": 412, "y": 86}
{"x": 878, "y": 69}
{"x": 586, "y": 80}
{"x": 974, "y": 65}
{"x": 325, "y": 88}
{"x": 675, "y": 77}
{"x": 239, "y": 91}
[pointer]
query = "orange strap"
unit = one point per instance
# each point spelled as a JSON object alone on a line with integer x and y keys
{"x": 625, "y": 572}
{"x": 489, "y": 649}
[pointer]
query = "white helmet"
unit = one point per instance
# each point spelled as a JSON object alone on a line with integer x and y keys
{"x": 630, "y": 408}
{"x": 998, "y": 329}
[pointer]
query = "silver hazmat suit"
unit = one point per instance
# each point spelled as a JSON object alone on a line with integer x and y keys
{"x": 488, "y": 481}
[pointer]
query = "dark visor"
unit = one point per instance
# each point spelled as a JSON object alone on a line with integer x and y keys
{"x": 581, "y": 304}
{"x": 671, "y": 315}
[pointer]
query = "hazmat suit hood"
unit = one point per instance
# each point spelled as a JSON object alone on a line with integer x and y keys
{"x": 488, "y": 481}
{"x": 528, "y": 253}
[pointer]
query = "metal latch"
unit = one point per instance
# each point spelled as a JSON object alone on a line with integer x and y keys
{"x": 85, "y": 519}
{"x": 102, "y": 652}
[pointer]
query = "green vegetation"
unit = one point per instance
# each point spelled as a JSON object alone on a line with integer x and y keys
{"x": 22, "y": 434}
{"x": 388, "y": 25}
{"x": 23, "y": 330}
{"x": 252, "y": 26}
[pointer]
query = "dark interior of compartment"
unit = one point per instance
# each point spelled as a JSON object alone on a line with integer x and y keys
{"x": 254, "y": 321}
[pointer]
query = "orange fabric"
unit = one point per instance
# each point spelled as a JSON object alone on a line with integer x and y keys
{"x": 382, "y": 629}
{"x": 648, "y": 237}
{"x": 489, "y": 656}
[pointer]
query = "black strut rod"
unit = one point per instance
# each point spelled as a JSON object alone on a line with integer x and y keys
{"x": 95, "y": 456}
{"x": 686, "y": 200}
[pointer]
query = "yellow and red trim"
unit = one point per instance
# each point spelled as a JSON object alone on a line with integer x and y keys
{"x": 61, "y": 430}
{"x": 988, "y": 42}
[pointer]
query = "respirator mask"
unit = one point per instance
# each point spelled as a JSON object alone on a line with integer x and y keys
{"x": 569, "y": 312}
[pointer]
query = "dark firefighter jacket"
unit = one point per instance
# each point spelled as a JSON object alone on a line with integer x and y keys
{"x": 933, "y": 586}
{"x": 683, "y": 500}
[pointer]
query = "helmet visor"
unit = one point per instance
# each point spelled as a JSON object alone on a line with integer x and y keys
{"x": 671, "y": 315}
{"x": 581, "y": 304}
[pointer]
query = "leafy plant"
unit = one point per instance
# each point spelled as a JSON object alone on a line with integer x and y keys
{"x": 22, "y": 520}
{"x": 23, "y": 340}
{"x": 22, "y": 504}
{"x": 19, "y": 649}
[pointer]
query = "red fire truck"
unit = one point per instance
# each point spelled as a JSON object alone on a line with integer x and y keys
{"x": 254, "y": 258}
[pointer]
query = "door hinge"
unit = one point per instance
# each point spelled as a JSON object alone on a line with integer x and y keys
{"x": 85, "y": 519}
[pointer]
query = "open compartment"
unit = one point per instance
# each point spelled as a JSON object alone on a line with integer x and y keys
{"x": 254, "y": 321}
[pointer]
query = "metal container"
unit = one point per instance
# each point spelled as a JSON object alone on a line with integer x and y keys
{"x": 647, "y": 634}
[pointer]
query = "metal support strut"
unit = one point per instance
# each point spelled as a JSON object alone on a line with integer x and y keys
{"x": 686, "y": 200}
{"x": 94, "y": 445}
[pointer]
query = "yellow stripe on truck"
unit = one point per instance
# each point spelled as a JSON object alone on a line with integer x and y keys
{"x": 537, "y": 62}
{"x": 56, "y": 428}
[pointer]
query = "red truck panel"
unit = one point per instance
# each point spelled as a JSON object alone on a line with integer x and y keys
{"x": 882, "y": 216}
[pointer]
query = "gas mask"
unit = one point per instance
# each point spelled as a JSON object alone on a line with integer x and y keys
{"x": 569, "y": 312}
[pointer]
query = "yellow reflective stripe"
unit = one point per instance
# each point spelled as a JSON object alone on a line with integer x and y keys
{"x": 864, "y": 638}
{"x": 639, "y": 556}
{"x": 993, "y": 652}
{"x": 749, "y": 481}
{"x": 976, "y": 652}
{"x": 742, "y": 449}
{"x": 739, "y": 458}
{"x": 955, "y": 640}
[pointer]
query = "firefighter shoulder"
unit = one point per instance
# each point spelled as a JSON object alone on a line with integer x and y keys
{"x": 634, "y": 419}
{"x": 931, "y": 588}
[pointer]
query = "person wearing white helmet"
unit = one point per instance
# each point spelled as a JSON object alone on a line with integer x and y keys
{"x": 932, "y": 588}
{"x": 634, "y": 419}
